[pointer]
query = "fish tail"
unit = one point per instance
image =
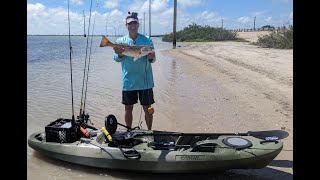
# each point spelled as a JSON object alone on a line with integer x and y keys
{"x": 105, "y": 42}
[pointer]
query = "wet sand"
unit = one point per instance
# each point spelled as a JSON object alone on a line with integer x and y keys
{"x": 255, "y": 92}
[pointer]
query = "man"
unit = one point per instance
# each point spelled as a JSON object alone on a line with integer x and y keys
{"x": 137, "y": 77}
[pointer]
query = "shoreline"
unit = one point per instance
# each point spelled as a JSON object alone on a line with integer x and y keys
{"x": 259, "y": 81}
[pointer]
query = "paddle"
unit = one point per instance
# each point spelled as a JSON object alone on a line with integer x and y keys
{"x": 265, "y": 135}
{"x": 270, "y": 135}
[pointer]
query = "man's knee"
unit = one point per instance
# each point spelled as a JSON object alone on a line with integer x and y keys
{"x": 128, "y": 108}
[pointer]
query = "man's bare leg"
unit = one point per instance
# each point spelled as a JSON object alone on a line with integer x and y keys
{"x": 148, "y": 117}
{"x": 128, "y": 115}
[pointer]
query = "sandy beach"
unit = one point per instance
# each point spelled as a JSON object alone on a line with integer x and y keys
{"x": 258, "y": 84}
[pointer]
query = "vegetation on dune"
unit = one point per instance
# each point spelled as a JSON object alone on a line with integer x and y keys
{"x": 282, "y": 38}
{"x": 198, "y": 33}
{"x": 278, "y": 39}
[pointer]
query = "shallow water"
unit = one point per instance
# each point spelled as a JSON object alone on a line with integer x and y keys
{"x": 184, "y": 102}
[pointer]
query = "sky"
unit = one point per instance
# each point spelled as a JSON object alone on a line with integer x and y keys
{"x": 107, "y": 17}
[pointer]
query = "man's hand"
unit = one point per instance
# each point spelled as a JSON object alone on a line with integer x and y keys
{"x": 151, "y": 55}
{"x": 119, "y": 51}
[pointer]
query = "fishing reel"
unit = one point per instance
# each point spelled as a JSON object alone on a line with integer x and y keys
{"x": 82, "y": 125}
{"x": 84, "y": 118}
{"x": 111, "y": 124}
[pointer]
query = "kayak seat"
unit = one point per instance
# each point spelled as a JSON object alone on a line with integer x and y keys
{"x": 195, "y": 144}
{"x": 204, "y": 147}
{"x": 186, "y": 142}
{"x": 122, "y": 139}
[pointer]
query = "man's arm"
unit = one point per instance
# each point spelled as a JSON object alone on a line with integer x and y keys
{"x": 151, "y": 56}
{"x": 118, "y": 54}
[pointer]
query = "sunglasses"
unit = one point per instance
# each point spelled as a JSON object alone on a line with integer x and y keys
{"x": 133, "y": 22}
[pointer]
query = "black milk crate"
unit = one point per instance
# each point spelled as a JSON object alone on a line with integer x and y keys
{"x": 60, "y": 131}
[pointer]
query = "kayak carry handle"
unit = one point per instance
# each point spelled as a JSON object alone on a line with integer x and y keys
{"x": 131, "y": 154}
{"x": 265, "y": 141}
{"x": 85, "y": 140}
{"x": 104, "y": 130}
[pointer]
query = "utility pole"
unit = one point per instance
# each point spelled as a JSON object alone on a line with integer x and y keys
{"x": 222, "y": 24}
{"x": 107, "y": 27}
{"x": 150, "y": 18}
{"x": 144, "y": 23}
{"x": 254, "y": 23}
{"x": 174, "y": 41}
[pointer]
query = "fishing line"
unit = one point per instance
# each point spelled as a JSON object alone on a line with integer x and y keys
{"x": 70, "y": 64}
{"x": 143, "y": 91}
{"x": 85, "y": 64}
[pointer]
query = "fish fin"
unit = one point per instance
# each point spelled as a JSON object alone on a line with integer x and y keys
{"x": 139, "y": 55}
{"x": 105, "y": 42}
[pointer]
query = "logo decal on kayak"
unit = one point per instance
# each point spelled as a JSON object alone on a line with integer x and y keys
{"x": 190, "y": 157}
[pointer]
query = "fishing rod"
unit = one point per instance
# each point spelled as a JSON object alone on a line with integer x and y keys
{"x": 82, "y": 115}
{"x": 87, "y": 77}
{"x": 84, "y": 25}
{"x": 70, "y": 47}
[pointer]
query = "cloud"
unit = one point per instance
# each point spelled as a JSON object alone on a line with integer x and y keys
{"x": 143, "y": 6}
{"x": 77, "y": 2}
{"x": 111, "y": 4}
{"x": 48, "y": 20}
{"x": 244, "y": 19}
{"x": 209, "y": 16}
{"x": 137, "y": 6}
{"x": 268, "y": 19}
{"x": 159, "y": 5}
{"x": 35, "y": 7}
{"x": 189, "y": 3}
{"x": 42, "y": 20}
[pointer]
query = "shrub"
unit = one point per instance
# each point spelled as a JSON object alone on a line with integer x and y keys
{"x": 279, "y": 39}
{"x": 198, "y": 33}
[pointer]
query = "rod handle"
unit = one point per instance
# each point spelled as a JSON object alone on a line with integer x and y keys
{"x": 85, "y": 132}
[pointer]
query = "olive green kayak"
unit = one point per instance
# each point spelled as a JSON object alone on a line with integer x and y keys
{"x": 162, "y": 151}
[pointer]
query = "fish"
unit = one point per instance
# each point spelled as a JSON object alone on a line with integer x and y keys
{"x": 132, "y": 51}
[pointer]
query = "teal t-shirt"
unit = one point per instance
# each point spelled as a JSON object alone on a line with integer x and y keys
{"x": 136, "y": 75}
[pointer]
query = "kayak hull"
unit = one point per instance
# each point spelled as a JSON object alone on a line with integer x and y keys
{"x": 99, "y": 154}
